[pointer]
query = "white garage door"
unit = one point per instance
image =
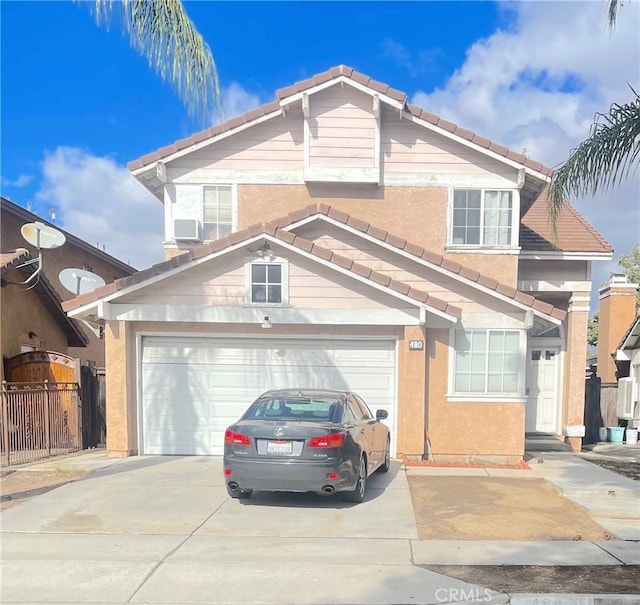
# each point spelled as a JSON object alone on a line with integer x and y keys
{"x": 193, "y": 388}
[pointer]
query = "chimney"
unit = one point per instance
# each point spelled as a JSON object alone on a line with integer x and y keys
{"x": 617, "y": 311}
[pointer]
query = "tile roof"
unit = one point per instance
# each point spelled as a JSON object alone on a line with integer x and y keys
{"x": 575, "y": 234}
{"x": 341, "y": 71}
{"x": 276, "y": 229}
{"x": 9, "y": 260}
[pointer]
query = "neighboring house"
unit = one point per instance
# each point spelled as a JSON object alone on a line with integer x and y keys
{"x": 627, "y": 358}
{"x": 340, "y": 237}
{"x": 32, "y": 316}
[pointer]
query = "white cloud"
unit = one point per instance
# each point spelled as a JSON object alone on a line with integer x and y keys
{"x": 415, "y": 66}
{"x": 236, "y": 100}
{"x": 22, "y": 181}
{"x": 101, "y": 203}
{"x": 537, "y": 86}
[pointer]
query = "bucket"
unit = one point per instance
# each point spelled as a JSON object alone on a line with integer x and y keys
{"x": 631, "y": 436}
{"x": 602, "y": 433}
{"x": 616, "y": 433}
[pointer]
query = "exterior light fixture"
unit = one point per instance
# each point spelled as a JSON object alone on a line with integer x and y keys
{"x": 266, "y": 323}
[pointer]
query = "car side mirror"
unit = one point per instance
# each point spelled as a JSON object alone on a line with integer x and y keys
{"x": 381, "y": 414}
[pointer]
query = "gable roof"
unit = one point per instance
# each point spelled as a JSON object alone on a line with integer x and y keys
{"x": 574, "y": 233}
{"x": 47, "y": 294}
{"x": 275, "y": 234}
{"x": 11, "y": 208}
{"x": 339, "y": 73}
{"x": 277, "y": 229}
{"x": 631, "y": 338}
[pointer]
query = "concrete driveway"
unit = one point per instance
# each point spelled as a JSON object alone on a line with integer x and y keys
{"x": 162, "y": 530}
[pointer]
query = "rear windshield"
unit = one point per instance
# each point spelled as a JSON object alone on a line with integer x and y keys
{"x": 300, "y": 408}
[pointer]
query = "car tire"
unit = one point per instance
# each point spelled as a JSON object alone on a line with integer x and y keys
{"x": 386, "y": 464}
{"x": 240, "y": 494}
{"x": 357, "y": 494}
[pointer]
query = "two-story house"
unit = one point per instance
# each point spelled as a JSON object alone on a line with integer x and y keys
{"x": 340, "y": 237}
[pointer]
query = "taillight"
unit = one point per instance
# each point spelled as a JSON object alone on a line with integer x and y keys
{"x": 331, "y": 440}
{"x": 233, "y": 438}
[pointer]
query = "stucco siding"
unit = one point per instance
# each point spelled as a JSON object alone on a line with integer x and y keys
{"x": 469, "y": 431}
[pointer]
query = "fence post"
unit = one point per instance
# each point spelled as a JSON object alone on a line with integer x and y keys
{"x": 47, "y": 423}
{"x": 79, "y": 423}
{"x": 5, "y": 424}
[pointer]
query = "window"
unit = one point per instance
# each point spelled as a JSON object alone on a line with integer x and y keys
{"x": 202, "y": 212}
{"x": 482, "y": 217}
{"x": 217, "y": 212}
{"x": 267, "y": 282}
{"x": 487, "y": 362}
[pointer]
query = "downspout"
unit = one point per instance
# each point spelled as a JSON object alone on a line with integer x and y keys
{"x": 426, "y": 448}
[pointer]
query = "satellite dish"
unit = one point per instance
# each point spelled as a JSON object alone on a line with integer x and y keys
{"x": 80, "y": 281}
{"x": 42, "y": 236}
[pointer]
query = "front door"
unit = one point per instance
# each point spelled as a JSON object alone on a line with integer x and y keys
{"x": 542, "y": 390}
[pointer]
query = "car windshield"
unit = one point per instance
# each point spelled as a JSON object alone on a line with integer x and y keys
{"x": 301, "y": 408}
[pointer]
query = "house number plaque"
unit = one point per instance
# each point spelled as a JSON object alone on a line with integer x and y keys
{"x": 416, "y": 345}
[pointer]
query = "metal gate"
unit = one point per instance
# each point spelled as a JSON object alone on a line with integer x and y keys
{"x": 38, "y": 420}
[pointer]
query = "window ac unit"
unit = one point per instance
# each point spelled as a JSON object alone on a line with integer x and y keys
{"x": 186, "y": 229}
{"x": 625, "y": 402}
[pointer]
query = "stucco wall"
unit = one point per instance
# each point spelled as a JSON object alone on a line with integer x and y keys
{"x": 469, "y": 431}
{"x": 417, "y": 214}
{"x": 53, "y": 261}
{"x": 21, "y": 312}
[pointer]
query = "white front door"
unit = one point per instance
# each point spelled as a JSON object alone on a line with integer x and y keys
{"x": 542, "y": 390}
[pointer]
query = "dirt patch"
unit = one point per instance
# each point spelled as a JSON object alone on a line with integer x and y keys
{"x": 19, "y": 486}
{"x": 626, "y": 468}
{"x": 610, "y": 579}
{"x": 488, "y": 508}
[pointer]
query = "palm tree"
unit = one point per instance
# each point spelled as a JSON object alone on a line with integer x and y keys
{"x": 606, "y": 157}
{"x": 162, "y": 32}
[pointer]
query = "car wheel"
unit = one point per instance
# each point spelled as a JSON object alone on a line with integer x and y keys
{"x": 357, "y": 495}
{"x": 386, "y": 464}
{"x": 239, "y": 493}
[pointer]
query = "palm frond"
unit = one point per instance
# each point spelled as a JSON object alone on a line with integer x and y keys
{"x": 614, "y": 6}
{"x": 601, "y": 161}
{"x": 163, "y": 33}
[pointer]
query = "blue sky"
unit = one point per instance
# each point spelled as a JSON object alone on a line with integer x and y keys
{"x": 78, "y": 103}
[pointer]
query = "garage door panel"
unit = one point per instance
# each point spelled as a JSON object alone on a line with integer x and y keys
{"x": 193, "y": 388}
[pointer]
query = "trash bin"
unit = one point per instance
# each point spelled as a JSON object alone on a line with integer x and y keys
{"x": 631, "y": 436}
{"x": 616, "y": 433}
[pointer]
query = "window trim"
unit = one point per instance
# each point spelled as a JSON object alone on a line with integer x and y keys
{"x": 284, "y": 269}
{"x": 515, "y": 397}
{"x": 199, "y": 215}
{"x": 514, "y": 243}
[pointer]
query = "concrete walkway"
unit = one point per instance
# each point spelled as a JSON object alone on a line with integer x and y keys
{"x": 162, "y": 530}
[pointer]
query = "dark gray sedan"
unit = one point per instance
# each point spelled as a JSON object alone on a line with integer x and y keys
{"x": 306, "y": 440}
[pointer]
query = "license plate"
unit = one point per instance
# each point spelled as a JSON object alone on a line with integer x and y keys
{"x": 281, "y": 448}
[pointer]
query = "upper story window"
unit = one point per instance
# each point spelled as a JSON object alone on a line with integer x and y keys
{"x": 267, "y": 282}
{"x": 488, "y": 362}
{"x": 202, "y": 212}
{"x": 217, "y": 212}
{"x": 483, "y": 217}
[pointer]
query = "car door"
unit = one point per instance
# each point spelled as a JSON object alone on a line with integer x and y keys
{"x": 363, "y": 429}
{"x": 371, "y": 424}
